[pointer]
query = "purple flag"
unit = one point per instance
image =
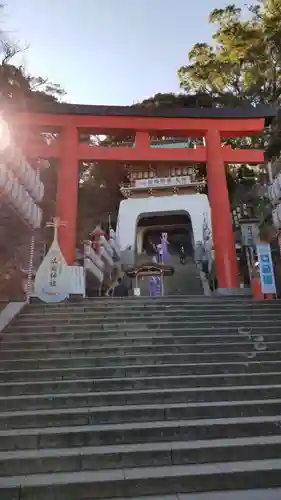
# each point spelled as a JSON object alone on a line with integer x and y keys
{"x": 164, "y": 245}
{"x": 154, "y": 286}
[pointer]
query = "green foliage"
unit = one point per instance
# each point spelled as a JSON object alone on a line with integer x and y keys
{"x": 244, "y": 62}
{"x": 16, "y": 84}
{"x": 99, "y": 195}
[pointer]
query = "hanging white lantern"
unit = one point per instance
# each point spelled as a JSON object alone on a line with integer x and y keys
{"x": 39, "y": 218}
{"x": 270, "y": 193}
{"x": 275, "y": 218}
{"x": 19, "y": 198}
{"x": 278, "y": 210}
{"x": 278, "y": 180}
{"x": 18, "y": 194}
{"x": 25, "y": 173}
{"x": 3, "y": 176}
{"x": 10, "y": 182}
{"x": 5, "y": 135}
{"x": 14, "y": 191}
{"x": 275, "y": 191}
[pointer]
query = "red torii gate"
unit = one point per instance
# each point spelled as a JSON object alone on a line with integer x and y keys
{"x": 212, "y": 124}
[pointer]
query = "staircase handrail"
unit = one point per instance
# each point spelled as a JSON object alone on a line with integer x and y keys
{"x": 105, "y": 244}
{"x": 90, "y": 253}
{"x": 90, "y": 266}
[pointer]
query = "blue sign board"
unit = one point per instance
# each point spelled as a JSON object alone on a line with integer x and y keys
{"x": 266, "y": 268}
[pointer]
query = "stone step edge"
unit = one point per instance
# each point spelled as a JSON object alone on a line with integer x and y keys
{"x": 141, "y": 407}
{"x": 152, "y": 319}
{"x": 153, "y": 332}
{"x": 149, "y": 347}
{"x": 130, "y": 367}
{"x": 148, "y": 425}
{"x": 130, "y": 340}
{"x": 108, "y": 331}
{"x": 140, "y": 447}
{"x": 141, "y": 355}
{"x": 253, "y": 494}
{"x": 167, "y": 310}
{"x": 138, "y": 379}
{"x": 149, "y": 325}
{"x": 169, "y": 306}
{"x": 141, "y": 473}
{"x": 87, "y": 300}
{"x": 140, "y": 392}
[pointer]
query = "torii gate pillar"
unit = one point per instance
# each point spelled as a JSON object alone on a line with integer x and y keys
{"x": 67, "y": 191}
{"x": 223, "y": 237}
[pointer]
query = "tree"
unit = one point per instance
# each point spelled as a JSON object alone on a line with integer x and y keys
{"x": 16, "y": 84}
{"x": 99, "y": 195}
{"x": 243, "y": 65}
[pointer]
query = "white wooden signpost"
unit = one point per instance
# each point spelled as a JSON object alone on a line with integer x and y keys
{"x": 52, "y": 278}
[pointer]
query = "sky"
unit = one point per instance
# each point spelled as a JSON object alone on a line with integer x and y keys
{"x": 109, "y": 51}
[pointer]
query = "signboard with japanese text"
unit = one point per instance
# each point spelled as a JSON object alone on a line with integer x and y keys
{"x": 250, "y": 233}
{"x": 266, "y": 268}
{"x": 163, "y": 181}
{"x": 52, "y": 280}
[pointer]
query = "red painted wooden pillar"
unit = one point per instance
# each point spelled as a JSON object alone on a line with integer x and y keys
{"x": 142, "y": 140}
{"x": 67, "y": 192}
{"x": 223, "y": 237}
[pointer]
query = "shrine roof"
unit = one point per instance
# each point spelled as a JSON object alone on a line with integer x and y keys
{"x": 246, "y": 111}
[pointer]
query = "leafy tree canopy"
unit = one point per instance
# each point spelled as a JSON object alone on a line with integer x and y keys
{"x": 16, "y": 84}
{"x": 243, "y": 64}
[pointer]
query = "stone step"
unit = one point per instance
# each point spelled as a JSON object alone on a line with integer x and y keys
{"x": 202, "y": 341}
{"x": 143, "y": 388}
{"x": 117, "y": 301}
{"x": 253, "y": 494}
{"x": 127, "y": 482}
{"x": 41, "y": 461}
{"x": 148, "y": 310}
{"x": 145, "y": 318}
{"x": 98, "y": 322}
{"x": 149, "y": 306}
{"x": 90, "y": 348}
{"x": 131, "y": 350}
{"x": 85, "y": 358}
{"x": 29, "y": 419}
{"x": 188, "y": 324}
{"x": 139, "y": 397}
{"x": 54, "y": 386}
{"x": 138, "y": 432}
{"x": 166, "y": 330}
{"x": 145, "y": 370}
{"x": 261, "y": 494}
{"x": 150, "y": 302}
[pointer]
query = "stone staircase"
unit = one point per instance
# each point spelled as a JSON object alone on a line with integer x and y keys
{"x": 176, "y": 398}
{"x": 186, "y": 279}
